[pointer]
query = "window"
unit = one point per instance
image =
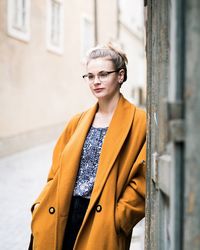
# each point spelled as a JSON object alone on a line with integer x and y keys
{"x": 87, "y": 34}
{"x": 19, "y": 19}
{"x": 55, "y": 26}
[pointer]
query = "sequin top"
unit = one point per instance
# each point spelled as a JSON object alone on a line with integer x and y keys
{"x": 89, "y": 162}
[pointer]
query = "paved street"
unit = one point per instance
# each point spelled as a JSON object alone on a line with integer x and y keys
{"x": 22, "y": 177}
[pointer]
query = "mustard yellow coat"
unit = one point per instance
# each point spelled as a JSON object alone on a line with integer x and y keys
{"x": 119, "y": 187}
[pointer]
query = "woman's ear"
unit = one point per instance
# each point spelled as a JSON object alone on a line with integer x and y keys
{"x": 121, "y": 76}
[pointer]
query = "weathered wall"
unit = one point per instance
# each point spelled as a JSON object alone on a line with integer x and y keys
{"x": 173, "y": 100}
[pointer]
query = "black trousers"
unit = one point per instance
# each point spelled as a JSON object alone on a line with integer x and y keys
{"x": 77, "y": 212}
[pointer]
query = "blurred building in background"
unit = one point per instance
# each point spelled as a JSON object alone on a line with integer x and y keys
{"x": 42, "y": 47}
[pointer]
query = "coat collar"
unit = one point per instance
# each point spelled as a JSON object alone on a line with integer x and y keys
{"x": 113, "y": 141}
{"x": 116, "y": 134}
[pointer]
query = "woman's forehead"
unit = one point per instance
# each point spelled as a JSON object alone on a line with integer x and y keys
{"x": 101, "y": 63}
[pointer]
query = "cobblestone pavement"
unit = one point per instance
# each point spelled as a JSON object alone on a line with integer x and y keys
{"x": 22, "y": 177}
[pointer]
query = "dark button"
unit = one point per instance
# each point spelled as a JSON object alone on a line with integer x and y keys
{"x": 98, "y": 208}
{"x": 52, "y": 210}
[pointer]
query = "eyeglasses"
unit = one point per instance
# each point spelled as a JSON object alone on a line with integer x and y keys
{"x": 102, "y": 76}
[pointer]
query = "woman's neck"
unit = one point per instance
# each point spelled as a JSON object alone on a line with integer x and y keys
{"x": 105, "y": 112}
{"x": 107, "y": 106}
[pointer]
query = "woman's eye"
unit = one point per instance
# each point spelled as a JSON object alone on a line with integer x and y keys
{"x": 90, "y": 77}
{"x": 103, "y": 74}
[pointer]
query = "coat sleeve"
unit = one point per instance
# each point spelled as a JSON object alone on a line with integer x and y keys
{"x": 59, "y": 147}
{"x": 130, "y": 207}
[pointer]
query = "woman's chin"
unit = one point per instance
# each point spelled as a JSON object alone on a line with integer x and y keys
{"x": 100, "y": 95}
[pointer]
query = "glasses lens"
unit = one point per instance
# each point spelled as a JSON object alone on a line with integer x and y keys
{"x": 90, "y": 78}
{"x": 103, "y": 76}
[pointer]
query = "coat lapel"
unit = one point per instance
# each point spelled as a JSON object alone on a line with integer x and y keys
{"x": 114, "y": 140}
{"x": 71, "y": 158}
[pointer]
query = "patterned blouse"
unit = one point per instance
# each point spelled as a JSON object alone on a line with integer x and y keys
{"x": 89, "y": 162}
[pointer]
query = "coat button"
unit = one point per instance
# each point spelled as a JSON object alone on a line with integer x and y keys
{"x": 98, "y": 208}
{"x": 52, "y": 210}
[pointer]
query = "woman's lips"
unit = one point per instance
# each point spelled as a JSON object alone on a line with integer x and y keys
{"x": 98, "y": 89}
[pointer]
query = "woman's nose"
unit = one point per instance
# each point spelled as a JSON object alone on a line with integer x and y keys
{"x": 96, "y": 80}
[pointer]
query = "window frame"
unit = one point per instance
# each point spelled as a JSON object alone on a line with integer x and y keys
{"x": 51, "y": 45}
{"x": 20, "y": 31}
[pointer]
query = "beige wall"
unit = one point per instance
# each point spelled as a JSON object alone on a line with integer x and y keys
{"x": 38, "y": 87}
{"x": 107, "y": 21}
{"x": 41, "y": 90}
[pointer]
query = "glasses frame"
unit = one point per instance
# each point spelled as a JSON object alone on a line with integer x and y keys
{"x": 107, "y": 72}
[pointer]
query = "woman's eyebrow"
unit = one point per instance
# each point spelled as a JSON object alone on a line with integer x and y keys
{"x": 97, "y": 73}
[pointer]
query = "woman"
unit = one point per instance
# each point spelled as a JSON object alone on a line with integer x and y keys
{"x": 95, "y": 192}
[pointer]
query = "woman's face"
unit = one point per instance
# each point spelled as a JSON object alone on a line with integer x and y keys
{"x": 104, "y": 85}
